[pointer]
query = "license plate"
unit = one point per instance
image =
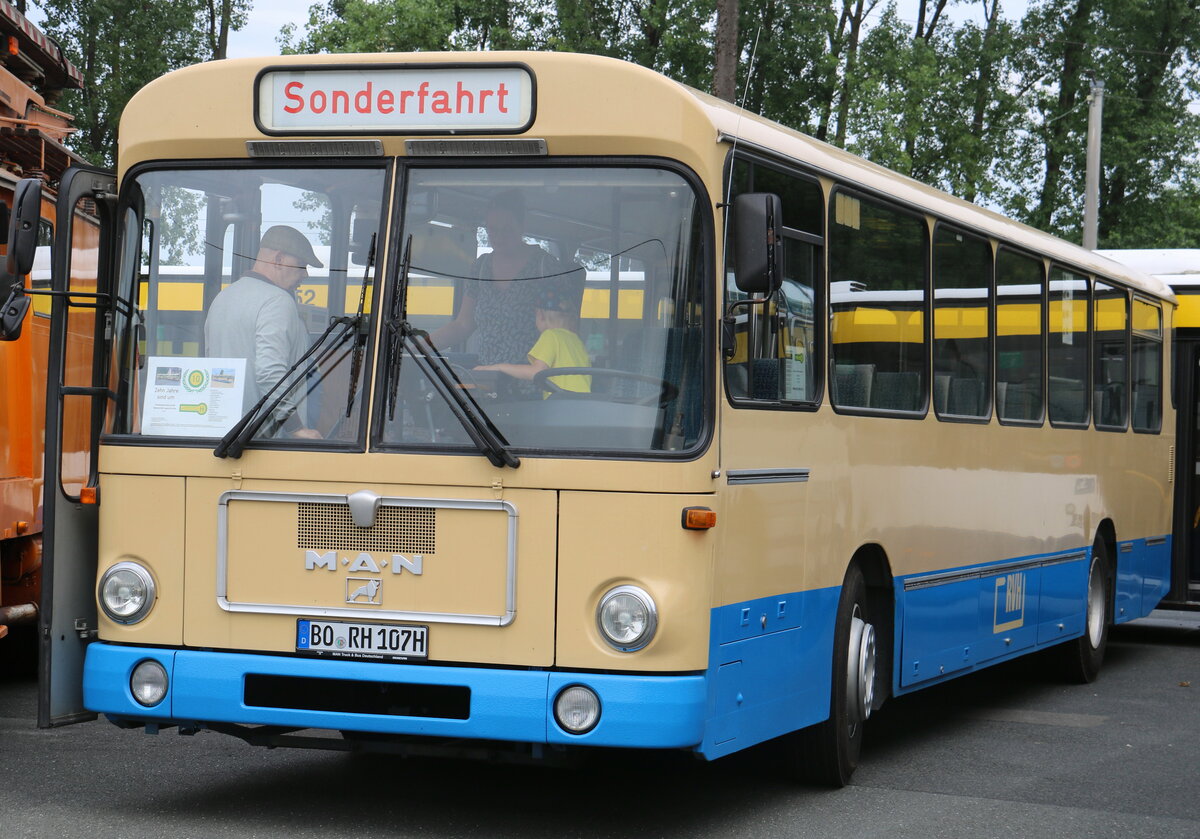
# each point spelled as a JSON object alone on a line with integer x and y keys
{"x": 378, "y": 641}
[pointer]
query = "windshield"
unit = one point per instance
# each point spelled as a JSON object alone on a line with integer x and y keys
{"x": 565, "y": 302}
{"x": 238, "y": 279}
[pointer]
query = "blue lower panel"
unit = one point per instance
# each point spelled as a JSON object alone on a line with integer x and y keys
{"x": 511, "y": 705}
{"x": 770, "y": 667}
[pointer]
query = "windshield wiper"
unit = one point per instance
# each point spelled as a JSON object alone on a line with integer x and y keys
{"x": 403, "y": 336}
{"x": 360, "y": 332}
{"x": 235, "y": 440}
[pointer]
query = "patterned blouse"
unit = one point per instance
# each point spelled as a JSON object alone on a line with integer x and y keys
{"x": 504, "y": 323}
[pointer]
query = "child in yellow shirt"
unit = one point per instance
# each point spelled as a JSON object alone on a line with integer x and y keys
{"x": 557, "y": 345}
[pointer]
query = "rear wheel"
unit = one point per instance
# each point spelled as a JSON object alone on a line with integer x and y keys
{"x": 1083, "y": 656}
{"x": 827, "y": 753}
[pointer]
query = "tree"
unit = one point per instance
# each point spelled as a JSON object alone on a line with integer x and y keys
{"x": 224, "y": 16}
{"x": 121, "y": 45}
{"x": 1145, "y": 52}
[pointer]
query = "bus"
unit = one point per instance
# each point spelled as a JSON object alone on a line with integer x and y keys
{"x": 33, "y": 74}
{"x": 1180, "y": 269}
{"x": 842, "y": 436}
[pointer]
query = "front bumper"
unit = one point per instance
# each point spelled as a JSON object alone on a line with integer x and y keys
{"x": 638, "y": 711}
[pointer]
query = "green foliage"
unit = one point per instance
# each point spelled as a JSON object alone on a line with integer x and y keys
{"x": 119, "y": 46}
{"x": 990, "y": 108}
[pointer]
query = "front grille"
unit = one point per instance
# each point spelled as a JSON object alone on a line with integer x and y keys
{"x": 450, "y": 702}
{"x": 396, "y": 529}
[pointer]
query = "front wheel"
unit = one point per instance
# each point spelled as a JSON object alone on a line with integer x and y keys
{"x": 1082, "y": 657}
{"x": 827, "y": 753}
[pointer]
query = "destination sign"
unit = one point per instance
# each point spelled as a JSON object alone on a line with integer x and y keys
{"x": 396, "y": 100}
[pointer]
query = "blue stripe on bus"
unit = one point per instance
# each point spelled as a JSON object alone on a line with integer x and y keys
{"x": 770, "y": 662}
{"x": 771, "y": 658}
{"x": 513, "y": 705}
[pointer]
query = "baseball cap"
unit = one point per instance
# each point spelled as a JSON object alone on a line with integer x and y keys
{"x": 291, "y": 241}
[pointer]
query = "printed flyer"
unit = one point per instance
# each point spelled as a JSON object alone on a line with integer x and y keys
{"x": 192, "y": 397}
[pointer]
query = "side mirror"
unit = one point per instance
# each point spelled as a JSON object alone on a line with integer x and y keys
{"x": 22, "y": 233}
{"x": 23, "y": 226}
{"x": 758, "y": 243}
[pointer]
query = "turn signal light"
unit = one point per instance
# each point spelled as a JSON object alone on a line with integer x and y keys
{"x": 698, "y": 518}
{"x": 87, "y": 495}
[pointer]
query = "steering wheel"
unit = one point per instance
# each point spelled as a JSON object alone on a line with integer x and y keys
{"x": 666, "y": 390}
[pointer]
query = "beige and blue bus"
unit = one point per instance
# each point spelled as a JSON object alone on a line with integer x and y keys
{"x": 842, "y": 437}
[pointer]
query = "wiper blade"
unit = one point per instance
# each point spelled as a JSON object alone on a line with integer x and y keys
{"x": 403, "y": 336}
{"x": 486, "y": 437}
{"x": 235, "y": 440}
{"x": 360, "y": 332}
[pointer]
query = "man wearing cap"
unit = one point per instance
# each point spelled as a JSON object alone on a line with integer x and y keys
{"x": 257, "y": 318}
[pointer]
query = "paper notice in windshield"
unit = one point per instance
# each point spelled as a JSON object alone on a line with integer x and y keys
{"x": 192, "y": 397}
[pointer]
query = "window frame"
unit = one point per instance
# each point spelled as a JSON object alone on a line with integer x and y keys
{"x": 1002, "y": 247}
{"x": 820, "y": 283}
{"x": 990, "y": 244}
{"x": 852, "y": 191}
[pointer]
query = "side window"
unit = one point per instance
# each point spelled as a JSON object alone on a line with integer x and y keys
{"x": 877, "y": 259}
{"x": 774, "y": 345}
{"x": 1110, "y": 335}
{"x": 1019, "y": 284}
{"x": 1147, "y": 366}
{"x": 1067, "y": 352}
{"x": 962, "y": 324}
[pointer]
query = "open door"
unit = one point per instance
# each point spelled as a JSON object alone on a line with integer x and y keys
{"x": 78, "y": 401}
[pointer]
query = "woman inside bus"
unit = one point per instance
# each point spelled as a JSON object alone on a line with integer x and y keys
{"x": 498, "y": 305}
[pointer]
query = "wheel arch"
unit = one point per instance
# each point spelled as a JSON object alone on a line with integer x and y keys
{"x": 872, "y": 560}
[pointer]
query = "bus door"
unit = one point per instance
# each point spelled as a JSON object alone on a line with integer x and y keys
{"x": 1185, "y": 578}
{"x": 78, "y": 399}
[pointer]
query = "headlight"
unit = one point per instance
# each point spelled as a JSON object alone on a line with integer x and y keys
{"x": 577, "y": 709}
{"x": 148, "y": 682}
{"x": 126, "y": 592}
{"x": 627, "y": 618}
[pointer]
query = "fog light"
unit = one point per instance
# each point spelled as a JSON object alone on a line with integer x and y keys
{"x": 148, "y": 682}
{"x": 126, "y": 592}
{"x": 577, "y": 709}
{"x": 627, "y": 618}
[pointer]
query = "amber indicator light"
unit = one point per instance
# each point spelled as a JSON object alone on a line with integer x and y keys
{"x": 698, "y": 518}
{"x": 88, "y": 495}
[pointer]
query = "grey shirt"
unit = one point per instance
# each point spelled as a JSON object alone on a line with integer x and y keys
{"x": 257, "y": 320}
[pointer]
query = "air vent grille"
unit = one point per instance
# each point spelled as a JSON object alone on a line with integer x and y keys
{"x": 396, "y": 529}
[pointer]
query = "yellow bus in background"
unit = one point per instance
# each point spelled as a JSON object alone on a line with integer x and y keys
{"x": 845, "y": 436}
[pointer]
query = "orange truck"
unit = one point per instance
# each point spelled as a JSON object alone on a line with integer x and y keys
{"x": 33, "y": 73}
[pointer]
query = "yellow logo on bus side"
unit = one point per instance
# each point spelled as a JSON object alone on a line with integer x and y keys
{"x": 1009, "y": 610}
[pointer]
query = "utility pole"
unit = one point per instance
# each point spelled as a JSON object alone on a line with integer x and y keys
{"x": 1091, "y": 189}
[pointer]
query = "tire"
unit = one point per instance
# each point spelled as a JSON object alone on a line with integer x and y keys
{"x": 1083, "y": 657}
{"x": 827, "y": 753}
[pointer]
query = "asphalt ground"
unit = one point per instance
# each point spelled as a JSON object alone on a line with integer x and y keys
{"x": 1008, "y": 752}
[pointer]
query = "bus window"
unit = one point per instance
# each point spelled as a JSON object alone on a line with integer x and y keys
{"x": 1147, "y": 366}
{"x": 962, "y": 304}
{"x": 201, "y": 236}
{"x": 877, "y": 305}
{"x": 1110, "y": 333}
{"x": 1019, "y": 282}
{"x": 774, "y": 358}
{"x": 1067, "y": 352}
{"x": 611, "y": 253}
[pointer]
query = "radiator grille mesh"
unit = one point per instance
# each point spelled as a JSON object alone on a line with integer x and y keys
{"x": 396, "y": 530}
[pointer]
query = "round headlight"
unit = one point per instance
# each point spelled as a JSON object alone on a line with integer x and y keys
{"x": 577, "y": 709}
{"x": 148, "y": 682}
{"x": 126, "y": 592}
{"x": 627, "y": 618}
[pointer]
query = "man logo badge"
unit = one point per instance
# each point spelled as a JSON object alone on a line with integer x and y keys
{"x": 357, "y": 587}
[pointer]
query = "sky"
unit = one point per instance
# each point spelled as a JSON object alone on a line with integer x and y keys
{"x": 267, "y": 17}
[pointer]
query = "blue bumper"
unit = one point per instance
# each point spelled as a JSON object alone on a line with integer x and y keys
{"x": 512, "y": 705}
